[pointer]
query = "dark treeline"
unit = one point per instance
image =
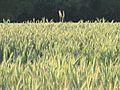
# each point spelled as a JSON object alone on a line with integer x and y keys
{"x": 75, "y": 10}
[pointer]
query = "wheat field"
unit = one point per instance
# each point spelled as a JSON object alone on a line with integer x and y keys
{"x": 60, "y": 56}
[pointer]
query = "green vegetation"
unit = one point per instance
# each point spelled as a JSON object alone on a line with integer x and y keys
{"x": 21, "y": 10}
{"x": 60, "y": 56}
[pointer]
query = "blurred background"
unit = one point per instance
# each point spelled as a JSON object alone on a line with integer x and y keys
{"x": 75, "y": 10}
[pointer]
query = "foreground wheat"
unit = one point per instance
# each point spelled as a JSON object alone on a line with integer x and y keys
{"x": 60, "y": 56}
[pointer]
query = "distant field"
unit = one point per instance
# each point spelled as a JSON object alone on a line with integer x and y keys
{"x": 60, "y": 56}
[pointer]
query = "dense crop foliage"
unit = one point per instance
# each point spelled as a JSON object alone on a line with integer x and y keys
{"x": 60, "y": 56}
